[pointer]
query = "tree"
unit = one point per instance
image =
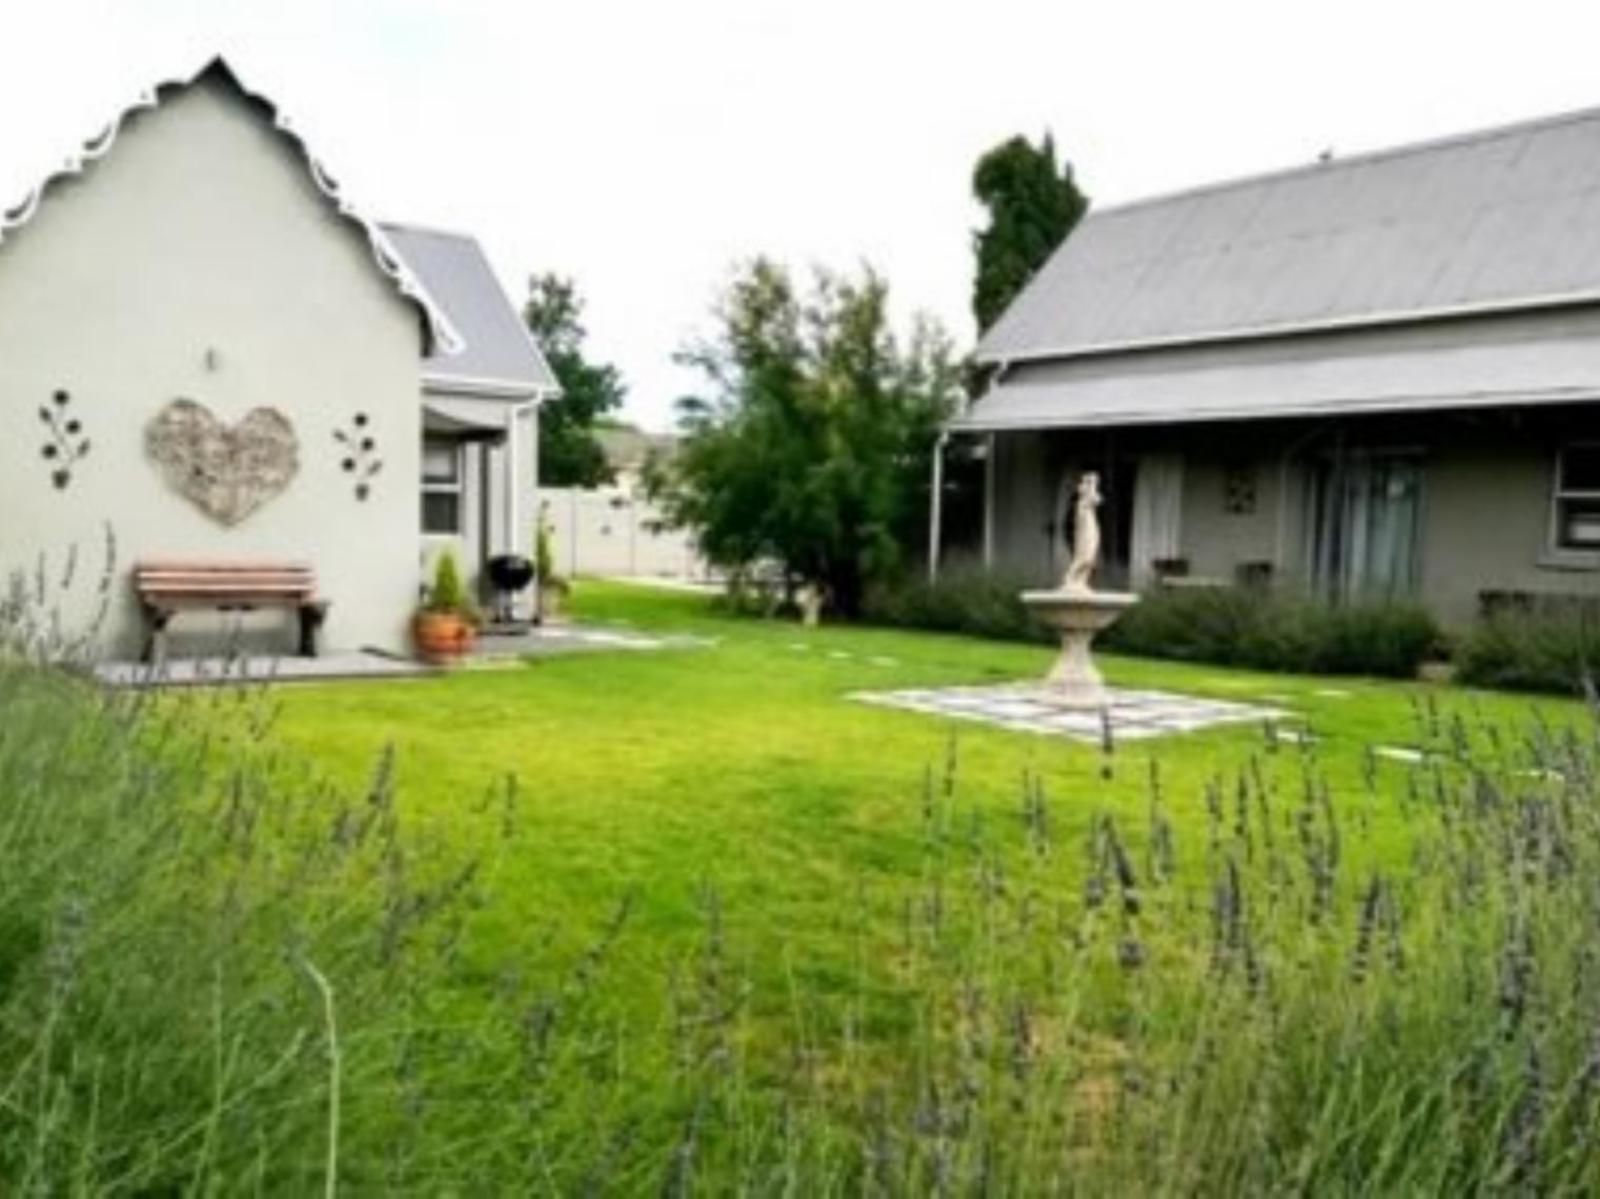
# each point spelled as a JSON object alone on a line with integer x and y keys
{"x": 569, "y": 453}
{"x": 810, "y": 447}
{"x": 1033, "y": 205}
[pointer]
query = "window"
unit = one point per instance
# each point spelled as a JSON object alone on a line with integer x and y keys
{"x": 441, "y": 487}
{"x": 1577, "y": 498}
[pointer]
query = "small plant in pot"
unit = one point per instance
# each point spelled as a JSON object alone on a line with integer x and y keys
{"x": 552, "y": 587}
{"x": 445, "y": 625}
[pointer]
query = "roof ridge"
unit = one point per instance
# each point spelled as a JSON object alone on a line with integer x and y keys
{"x": 1382, "y": 153}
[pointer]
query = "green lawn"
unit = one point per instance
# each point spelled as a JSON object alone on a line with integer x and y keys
{"x": 741, "y": 766}
{"x": 859, "y": 950}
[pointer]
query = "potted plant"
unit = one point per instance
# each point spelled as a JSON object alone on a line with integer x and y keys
{"x": 552, "y": 587}
{"x": 444, "y": 628}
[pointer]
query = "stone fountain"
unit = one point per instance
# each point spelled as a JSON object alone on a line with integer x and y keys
{"x": 1077, "y": 611}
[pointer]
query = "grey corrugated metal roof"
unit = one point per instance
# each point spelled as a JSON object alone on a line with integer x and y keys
{"x": 496, "y": 355}
{"x": 1501, "y": 361}
{"x": 1503, "y": 218}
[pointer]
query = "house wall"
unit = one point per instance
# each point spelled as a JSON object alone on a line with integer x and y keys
{"x": 198, "y": 260}
{"x": 1215, "y": 540}
{"x": 1487, "y": 480}
{"x": 1486, "y": 522}
{"x": 487, "y": 473}
{"x": 1028, "y": 469}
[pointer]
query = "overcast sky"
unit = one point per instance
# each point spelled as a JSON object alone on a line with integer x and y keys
{"x": 645, "y": 147}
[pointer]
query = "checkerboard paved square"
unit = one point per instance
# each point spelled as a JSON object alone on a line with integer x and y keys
{"x": 1030, "y": 708}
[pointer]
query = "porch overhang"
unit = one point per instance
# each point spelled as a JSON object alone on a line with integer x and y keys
{"x": 464, "y": 420}
{"x": 1470, "y": 365}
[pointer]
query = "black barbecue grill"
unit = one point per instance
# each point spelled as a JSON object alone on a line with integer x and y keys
{"x": 510, "y": 574}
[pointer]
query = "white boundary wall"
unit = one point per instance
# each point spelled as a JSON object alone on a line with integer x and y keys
{"x": 613, "y": 532}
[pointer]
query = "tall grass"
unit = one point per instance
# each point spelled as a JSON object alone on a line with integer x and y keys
{"x": 217, "y": 973}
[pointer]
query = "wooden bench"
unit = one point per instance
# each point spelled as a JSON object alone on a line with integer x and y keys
{"x": 166, "y": 587}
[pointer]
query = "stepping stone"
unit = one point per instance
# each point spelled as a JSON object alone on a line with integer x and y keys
{"x": 1400, "y": 753}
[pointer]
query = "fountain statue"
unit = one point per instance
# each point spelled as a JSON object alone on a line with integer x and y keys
{"x": 1076, "y": 610}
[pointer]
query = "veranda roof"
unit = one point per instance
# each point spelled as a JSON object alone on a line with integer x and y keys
{"x": 496, "y": 355}
{"x": 1463, "y": 364}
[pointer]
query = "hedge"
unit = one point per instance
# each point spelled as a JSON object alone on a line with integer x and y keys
{"x": 1227, "y": 626}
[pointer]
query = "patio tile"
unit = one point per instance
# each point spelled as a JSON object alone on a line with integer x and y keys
{"x": 1031, "y": 708}
{"x": 552, "y": 640}
{"x": 254, "y": 670}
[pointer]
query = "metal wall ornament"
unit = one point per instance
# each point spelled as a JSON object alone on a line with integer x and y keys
{"x": 360, "y": 454}
{"x": 227, "y": 472}
{"x": 66, "y": 445}
{"x": 1239, "y": 490}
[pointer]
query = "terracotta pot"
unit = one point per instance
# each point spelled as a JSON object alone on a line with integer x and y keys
{"x": 441, "y": 637}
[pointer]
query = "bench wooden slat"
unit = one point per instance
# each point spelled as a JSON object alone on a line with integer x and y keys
{"x": 241, "y": 576}
{"x": 202, "y": 585}
{"x": 164, "y": 585}
{"x": 214, "y": 564}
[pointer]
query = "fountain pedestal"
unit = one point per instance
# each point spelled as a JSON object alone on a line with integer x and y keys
{"x": 1077, "y": 614}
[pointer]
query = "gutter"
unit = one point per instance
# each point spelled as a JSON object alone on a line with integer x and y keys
{"x": 488, "y": 389}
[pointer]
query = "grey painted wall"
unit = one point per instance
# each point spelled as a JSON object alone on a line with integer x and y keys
{"x": 198, "y": 260}
{"x": 1487, "y": 480}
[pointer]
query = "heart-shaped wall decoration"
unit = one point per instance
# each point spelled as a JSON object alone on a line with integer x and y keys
{"x": 226, "y": 472}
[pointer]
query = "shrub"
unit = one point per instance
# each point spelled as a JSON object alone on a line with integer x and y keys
{"x": 447, "y": 593}
{"x": 1273, "y": 631}
{"x": 1549, "y": 649}
{"x": 544, "y": 555}
{"x": 1222, "y": 625}
{"x": 977, "y": 604}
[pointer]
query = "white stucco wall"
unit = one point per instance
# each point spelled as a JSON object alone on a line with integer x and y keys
{"x": 483, "y": 495}
{"x": 198, "y": 260}
{"x": 615, "y": 531}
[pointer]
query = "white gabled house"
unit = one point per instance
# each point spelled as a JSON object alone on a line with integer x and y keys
{"x": 205, "y": 351}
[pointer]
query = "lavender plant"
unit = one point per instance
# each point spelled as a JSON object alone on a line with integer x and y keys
{"x": 220, "y": 971}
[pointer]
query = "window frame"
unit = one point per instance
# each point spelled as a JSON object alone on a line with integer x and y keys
{"x": 454, "y": 485}
{"x": 1559, "y": 495}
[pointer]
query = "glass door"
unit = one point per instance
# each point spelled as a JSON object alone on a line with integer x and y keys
{"x": 1365, "y": 513}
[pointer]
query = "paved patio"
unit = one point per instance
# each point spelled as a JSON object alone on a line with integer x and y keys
{"x": 1030, "y": 708}
{"x": 553, "y": 640}
{"x": 256, "y": 669}
{"x": 495, "y": 650}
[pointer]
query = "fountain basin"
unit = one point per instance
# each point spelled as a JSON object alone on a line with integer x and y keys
{"x": 1074, "y": 681}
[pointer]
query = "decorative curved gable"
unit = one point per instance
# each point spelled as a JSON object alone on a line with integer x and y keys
{"x": 439, "y": 336}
